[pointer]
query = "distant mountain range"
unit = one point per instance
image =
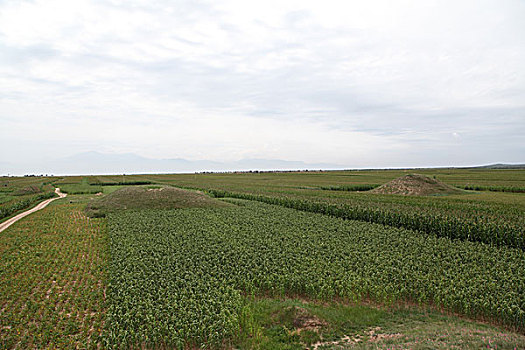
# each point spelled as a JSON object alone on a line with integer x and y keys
{"x": 129, "y": 163}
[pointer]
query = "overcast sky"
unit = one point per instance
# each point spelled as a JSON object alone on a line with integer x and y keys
{"x": 356, "y": 83}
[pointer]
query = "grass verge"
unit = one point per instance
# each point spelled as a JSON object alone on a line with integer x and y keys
{"x": 301, "y": 324}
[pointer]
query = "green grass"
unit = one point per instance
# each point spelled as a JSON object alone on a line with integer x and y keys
{"x": 124, "y": 198}
{"x": 111, "y": 189}
{"x": 79, "y": 188}
{"x": 269, "y": 323}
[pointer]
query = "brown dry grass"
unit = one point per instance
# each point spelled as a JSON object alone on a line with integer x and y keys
{"x": 416, "y": 185}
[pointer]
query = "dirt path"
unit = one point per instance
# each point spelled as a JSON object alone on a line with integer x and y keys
{"x": 41, "y": 205}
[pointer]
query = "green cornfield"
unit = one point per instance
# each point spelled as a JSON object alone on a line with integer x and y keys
{"x": 178, "y": 277}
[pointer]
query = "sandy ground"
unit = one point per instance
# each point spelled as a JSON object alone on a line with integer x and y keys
{"x": 41, "y": 205}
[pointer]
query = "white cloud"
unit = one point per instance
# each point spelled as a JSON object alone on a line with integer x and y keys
{"x": 362, "y": 84}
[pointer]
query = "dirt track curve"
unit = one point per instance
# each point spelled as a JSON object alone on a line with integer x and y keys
{"x": 41, "y": 205}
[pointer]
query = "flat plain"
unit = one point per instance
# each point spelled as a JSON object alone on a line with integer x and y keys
{"x": 265, "y": 260}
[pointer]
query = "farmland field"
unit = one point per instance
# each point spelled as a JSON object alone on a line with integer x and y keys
{"x": 490, "y": 217}
{"x": 261, "y": 249}
{"x": 52, "y": 280}
{"x": 267, "y": 261}
{"x": 17, "y": 194}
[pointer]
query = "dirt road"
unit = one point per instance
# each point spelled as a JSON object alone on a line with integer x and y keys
{"x": 41, "y": 205}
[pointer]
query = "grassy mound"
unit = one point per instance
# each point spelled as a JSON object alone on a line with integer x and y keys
{"x": 416, "y": 185}
{"x": 150, "y": 198}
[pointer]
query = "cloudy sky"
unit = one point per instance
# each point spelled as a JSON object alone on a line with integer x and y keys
{"x": 355, "y": 83}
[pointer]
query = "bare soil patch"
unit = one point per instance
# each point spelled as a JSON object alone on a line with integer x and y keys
{"x": 302, "y": 320}
{"x": 416, "y": 185}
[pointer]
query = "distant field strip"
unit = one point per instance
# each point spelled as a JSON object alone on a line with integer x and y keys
{"x": 4, "y": 225}
{"x": 9, "y": 209}
{"x": 469, "y": 224}
{"x": 17, "y": 194}
{"x": 511, "y": 189}
{"x": 178, "y": 277}
{"x": 52, "y": 280}
{"x": 358, "y": 187}
{"x": 92, "y": 185}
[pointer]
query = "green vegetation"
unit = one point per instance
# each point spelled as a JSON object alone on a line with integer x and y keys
{"x": 269, "y": 182}
{"x": 17, "y": 194}
{"x": 117, "y": 180}
{"x": 51, "y": 280}
{"x": 493, "y": 218}
{"x": 80, "y": 188}
{"x": 236, "y": 272}
{"x": 277, "y": 323}
{"x": 179, "y": 276}
{"x": 468, "y": 224}
{"x": 31, "y": 189}
{"x": 7, "y": 210}
{"x": 125, "y": 183}
{"x": 93, "y": 185}
{"x": 493, "y": 188}
{"x": 153, "y": 198}
{"x": 282, "y": 323}
{"x": 350, "y": 187}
